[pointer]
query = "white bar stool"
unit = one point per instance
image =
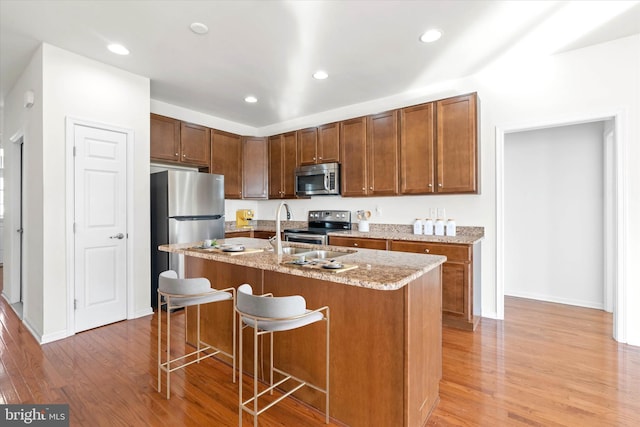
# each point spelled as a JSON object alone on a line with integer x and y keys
{"x": 176, "y": 293}
{"x": 267, "y": 314}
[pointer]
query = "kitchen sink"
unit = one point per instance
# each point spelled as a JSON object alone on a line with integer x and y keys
{"x": 320, "y": 254}
{"x": 290, "y": 250}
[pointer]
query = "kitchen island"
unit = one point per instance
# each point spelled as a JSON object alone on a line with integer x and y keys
{"x": 385, "y": 326}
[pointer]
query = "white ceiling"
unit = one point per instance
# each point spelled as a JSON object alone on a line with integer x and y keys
{"x": 270, "y": 49}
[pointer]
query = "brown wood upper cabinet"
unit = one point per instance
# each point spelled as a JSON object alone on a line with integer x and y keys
{"x": 353, "y": 171}
{"x": 457, "y": 144}
{"x": 370, "y": 155}
{"x": 255, "y": 170}
{"x": 417, "y": 149}
{"x": 226, "y": 159}
{"x": 165, "y": 138}
{"x": 319, "y": 145}
{"x": 282, "y": 164}
{"x": 179, "y": 142}
{"x": 438, "y": 147}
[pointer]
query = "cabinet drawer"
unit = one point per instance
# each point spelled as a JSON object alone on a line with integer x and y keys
{"x": 355, "y": 242}
{"x": 453, "y": 252}
{"x": 230, "y": 234}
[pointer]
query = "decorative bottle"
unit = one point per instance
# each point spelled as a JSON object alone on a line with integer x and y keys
{"x": 417, "y": 226}
{"x": 451, "y": 227}
{"x": 428, "y": 227}
{"x": 439, "y": 227}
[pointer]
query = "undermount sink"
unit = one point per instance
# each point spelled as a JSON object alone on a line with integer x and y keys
{"x": 290, "y": 250}
{"x": 320, "y": 254}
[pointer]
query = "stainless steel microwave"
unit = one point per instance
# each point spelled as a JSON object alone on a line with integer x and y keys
{"x": 314, "y": 180}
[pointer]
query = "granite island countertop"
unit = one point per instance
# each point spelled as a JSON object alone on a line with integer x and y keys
{"x": 376, "y": 269}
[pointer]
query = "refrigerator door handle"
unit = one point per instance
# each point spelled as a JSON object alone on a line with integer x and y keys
{"x": 196, "y": 218}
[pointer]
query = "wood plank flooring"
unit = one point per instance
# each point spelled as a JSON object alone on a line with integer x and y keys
{"x": 545, "y": 365}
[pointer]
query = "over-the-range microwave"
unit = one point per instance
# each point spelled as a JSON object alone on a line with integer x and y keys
{"x": 314, "y": 180}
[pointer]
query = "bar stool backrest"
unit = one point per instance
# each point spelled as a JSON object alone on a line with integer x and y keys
{"x": 269, "y": 307}
{"x": 168, "y": 282}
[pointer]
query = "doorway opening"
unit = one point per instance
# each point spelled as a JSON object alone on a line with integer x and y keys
{"x": 611, "y": 218}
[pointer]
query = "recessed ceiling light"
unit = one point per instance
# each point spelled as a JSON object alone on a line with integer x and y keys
{"x": 320, "y": 75}
{"x": 118, "y": 49}
{"x": 199, "y": 28}
{"x": 251, "y": 99}
{"x": 430, "y": 36}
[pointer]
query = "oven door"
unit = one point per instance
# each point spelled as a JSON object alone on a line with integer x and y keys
{"x": 314, "y": 239}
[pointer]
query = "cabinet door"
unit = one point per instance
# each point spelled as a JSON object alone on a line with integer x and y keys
{"x": 194, "y": 144}
{"x": 355, "y": 242}
{"x": 307, "y": 144}
{"x": 382, "y": 154}
{"x": 165, "y": 138}
{"x": 457, "y": 144}
{"x": 254, "y": 168}
{"x": 289, "y": 159}
{"x": 455, "y": 286}
{"x": 276, "y": 150}
{"x": 226, "y": 159}
{"x": 417, "y": 145}
{"x": 353, "y": 137}
{"x": 329, "y": 143}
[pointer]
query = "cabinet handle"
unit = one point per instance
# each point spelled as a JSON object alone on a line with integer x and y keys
{"x": 370, "y": 188}
{"x": 355, "y": 244}
{"x": 430, "y": 185}
{"x": 320, "y": 158}
{"x": 426, "y": 250}
{"x": 314, "y": 158}
{"x": 184, "y": 155}
{"x": 439, "y": 185}
{"x": 363, "y": 189}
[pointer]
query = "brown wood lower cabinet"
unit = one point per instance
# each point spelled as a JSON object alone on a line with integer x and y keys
{"x": 460, "y": 287}
{"x": 257, "y": 234}
{"x": 386, "y": 346}
{"x": 356, "y": 242}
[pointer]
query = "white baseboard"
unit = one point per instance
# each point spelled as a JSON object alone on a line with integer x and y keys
{"x": 141, "y": 313}
{"x": 554, "y": 299}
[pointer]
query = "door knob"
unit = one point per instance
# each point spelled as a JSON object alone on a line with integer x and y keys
{"x": 118, "y": 236}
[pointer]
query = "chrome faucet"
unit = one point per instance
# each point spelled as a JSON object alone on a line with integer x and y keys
{"x": 278, "y": 237}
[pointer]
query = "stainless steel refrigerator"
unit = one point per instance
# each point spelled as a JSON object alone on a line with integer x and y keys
{"x": 186, "y": 207}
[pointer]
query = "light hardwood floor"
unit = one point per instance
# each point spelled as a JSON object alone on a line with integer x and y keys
{"x": 545, "y": 365}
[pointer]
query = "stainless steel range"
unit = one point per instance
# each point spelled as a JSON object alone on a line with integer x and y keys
{"x": 319, "y": 223}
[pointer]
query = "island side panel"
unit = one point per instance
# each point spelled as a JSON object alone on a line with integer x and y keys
{"x": 367, "y": 342}
{"x": 424, "y": 347}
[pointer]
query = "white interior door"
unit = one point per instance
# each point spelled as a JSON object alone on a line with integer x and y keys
{"x": 100, "y": 257}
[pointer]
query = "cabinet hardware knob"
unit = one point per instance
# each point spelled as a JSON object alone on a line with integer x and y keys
{"x": 355, "y": 244}
{"x": 363, "y": 188}
{"x": 184, "y": 155}
{"x": 370, "y": 188}
{"x": 439, "y": 185}
{"x": 426, "y": 250}
{"x": 314, "y": 158}
{"x": 430, "y": 185}
{"x": 320, "y": 158}
{"x": 177, "y": 154}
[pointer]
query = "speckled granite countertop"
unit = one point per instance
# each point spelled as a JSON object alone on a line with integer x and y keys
{"x": 465, "y": 235}
{"x": 380, "y": 270}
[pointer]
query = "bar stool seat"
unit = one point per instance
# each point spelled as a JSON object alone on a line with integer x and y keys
{"x": 267, "y": 314}
{"x": 177, "y": 293}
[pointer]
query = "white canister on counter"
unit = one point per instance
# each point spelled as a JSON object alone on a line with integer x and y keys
{"x": 417, "y": 226}
{"x": 451, "y": 227}
{"x": 363, "y": 226}
{"x": 439, "y": 227}
{"x": 428, "y": 227}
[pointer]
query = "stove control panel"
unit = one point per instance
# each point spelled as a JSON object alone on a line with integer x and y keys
{"x": 330, "y": 216}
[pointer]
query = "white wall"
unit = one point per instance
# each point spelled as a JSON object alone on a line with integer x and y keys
{"x": 601, "y": 80}
{"x": 74, "y": 86}
{"x": 28, "y": 122}
{"x": 554, "y": 199}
